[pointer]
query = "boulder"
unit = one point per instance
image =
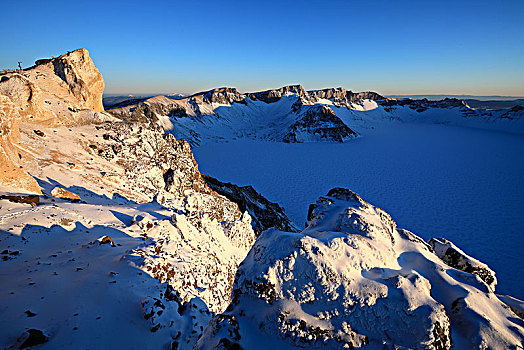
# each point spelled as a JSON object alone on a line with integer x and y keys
{"x": 456, "y": 258}
{"x": 31, "y": 199}
{"x": 30, "y": 338}
{"x": 62, "y": 193}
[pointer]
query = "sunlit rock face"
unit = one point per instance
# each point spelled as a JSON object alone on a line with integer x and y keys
{"x": 66, "y": 90}
{"x": 352, "y": 279}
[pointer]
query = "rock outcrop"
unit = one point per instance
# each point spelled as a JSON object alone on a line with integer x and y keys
{"x": 264, "y": 213}
{"x": 319, "y": 123}
{"x": 12, "y": 175}
{"x": 352, "y": 279}
{"x": 456, "y": 258}
{"x": 66, "y": 90}
{"x": 270, "y": 96}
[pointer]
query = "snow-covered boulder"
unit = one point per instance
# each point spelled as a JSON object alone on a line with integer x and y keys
{"x": 455, "y": 257}
{"x": 351, "y": 279}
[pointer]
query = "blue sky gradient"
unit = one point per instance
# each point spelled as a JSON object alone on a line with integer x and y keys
{"x": 393, "y": 47}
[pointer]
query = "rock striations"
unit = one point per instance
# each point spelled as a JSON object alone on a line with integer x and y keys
{"x": 112, "y": 238}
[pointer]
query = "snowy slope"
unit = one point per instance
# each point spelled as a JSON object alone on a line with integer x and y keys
{"x": 193, "y": 241}
{"x": 123, "y": 236}
{"x": 352, "y": 279}
{"x": 463, "y": 184}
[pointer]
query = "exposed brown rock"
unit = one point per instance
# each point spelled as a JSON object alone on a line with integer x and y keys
{"x": 106, "y": 240}
{"x": 32, "y": 199}
{"x": 264, "y": 213}
{"x": 84, "y": 80}
{"x": 59, "y": 192}
{"x": 66, "y": 90}
{"x": 13, "y": 178}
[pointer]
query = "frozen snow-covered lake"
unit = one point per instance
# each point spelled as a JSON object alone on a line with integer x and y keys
{"x": 463, "y": 184}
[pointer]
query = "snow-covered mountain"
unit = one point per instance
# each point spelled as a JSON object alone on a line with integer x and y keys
{"x": 291, "y": 114}
{"x": 352, "y": 279}
{"x": 110, "y": 237}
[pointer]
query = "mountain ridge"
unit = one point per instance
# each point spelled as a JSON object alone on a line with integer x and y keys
{"x": 291, "y": 114}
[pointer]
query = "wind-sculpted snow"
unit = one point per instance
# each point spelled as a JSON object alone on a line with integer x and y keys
{"x": 352, "y": 279}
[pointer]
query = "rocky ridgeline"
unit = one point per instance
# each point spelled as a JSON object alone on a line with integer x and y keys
{"x": 292, "y": 114}
{"x": 304, "y": 120}
{"x": 425, "y": 104}
{"x": 352, "y": 279}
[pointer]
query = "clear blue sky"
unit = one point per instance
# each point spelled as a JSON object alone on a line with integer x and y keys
{"x": 393, "y": 47}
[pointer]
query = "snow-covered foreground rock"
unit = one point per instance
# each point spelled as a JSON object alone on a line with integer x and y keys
{"x": 352, "y": 279}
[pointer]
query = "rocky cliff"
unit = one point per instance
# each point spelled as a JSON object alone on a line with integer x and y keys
{"x": 66, "y": 90}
